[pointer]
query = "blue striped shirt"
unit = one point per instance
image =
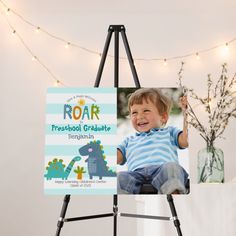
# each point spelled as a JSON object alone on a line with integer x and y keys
{"x": 155, "y": 147}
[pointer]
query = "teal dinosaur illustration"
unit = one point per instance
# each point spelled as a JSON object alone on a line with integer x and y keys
{"x": 56, "y": 168}
{"x": 97, "y": 165}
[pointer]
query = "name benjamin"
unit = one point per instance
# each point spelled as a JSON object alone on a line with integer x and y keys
{"x": 80, "y": 136}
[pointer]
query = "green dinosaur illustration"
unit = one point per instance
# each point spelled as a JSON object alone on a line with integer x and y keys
{"x": 56, "y": 168}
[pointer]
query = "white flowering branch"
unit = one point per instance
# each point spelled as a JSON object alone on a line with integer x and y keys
{"x": 219, "y": 104}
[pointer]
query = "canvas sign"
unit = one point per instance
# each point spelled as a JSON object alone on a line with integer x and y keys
{"x": 80, "y": 150}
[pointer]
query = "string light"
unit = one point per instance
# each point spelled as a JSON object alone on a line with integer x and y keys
{"x": 197, "y": 56}
{"x": 180, "y": 57}
{"x": 8, "y": 11}
{"x": 225, "y": 50}
{"x": 227, "y": 47}
{"x": 165, "y": 62}
{"x": 37, "y": 29}
{"x": 67, "y": 45}
{"x": 34, "y": 58}
{"x": 56, "y": 83}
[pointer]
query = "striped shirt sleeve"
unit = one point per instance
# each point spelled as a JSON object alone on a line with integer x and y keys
{"x": 175, "y": 132}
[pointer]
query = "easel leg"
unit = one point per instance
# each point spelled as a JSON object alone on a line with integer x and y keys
{"x": 174, "y": 214}
{"x": 130, "y": 58}
{"x": 116, "y": 60}
{"x": 62, "y": 215}
{"x": 115, "y": 210}
{"x": 103, "y": 59}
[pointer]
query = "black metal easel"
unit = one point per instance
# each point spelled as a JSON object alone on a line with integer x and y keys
{"x": 117, "y": 29}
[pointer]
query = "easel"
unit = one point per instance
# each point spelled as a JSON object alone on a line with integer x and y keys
{"x": 117, "y": 29}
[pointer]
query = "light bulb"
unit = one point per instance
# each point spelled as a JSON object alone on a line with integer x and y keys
{"x": 34, "y": 58}
{"x": 165, "y": 62}
{"x": 8, "y": 11}
{"x": 197, "y": 56}
{"x": 226, "y": 47}
{"x": 56, "y": 83}
{"x": 67, "y": 45}
{"x": 225, "y": 50}
{"x": 37, "y": 29}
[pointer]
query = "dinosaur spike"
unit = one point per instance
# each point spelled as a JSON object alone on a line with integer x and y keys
{"x": 57, "y": 169}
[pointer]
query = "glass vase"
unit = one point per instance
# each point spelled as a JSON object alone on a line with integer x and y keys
{"x": 210, "y": 165}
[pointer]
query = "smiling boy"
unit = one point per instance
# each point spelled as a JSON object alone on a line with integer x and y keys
{"x": 151, "y": 153}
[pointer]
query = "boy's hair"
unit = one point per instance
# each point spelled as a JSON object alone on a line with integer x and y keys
{"x": 163, "y": 103}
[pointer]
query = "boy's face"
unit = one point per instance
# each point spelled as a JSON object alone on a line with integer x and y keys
{"x": 145, "y": 116}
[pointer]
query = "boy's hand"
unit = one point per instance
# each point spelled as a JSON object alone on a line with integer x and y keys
{"x": 183, "y": 137}
{"x": 119, "y": 157}
{"x": 183, "y": 102}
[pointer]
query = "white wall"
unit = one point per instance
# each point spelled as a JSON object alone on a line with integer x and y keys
{"x": 154, "y": 29}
